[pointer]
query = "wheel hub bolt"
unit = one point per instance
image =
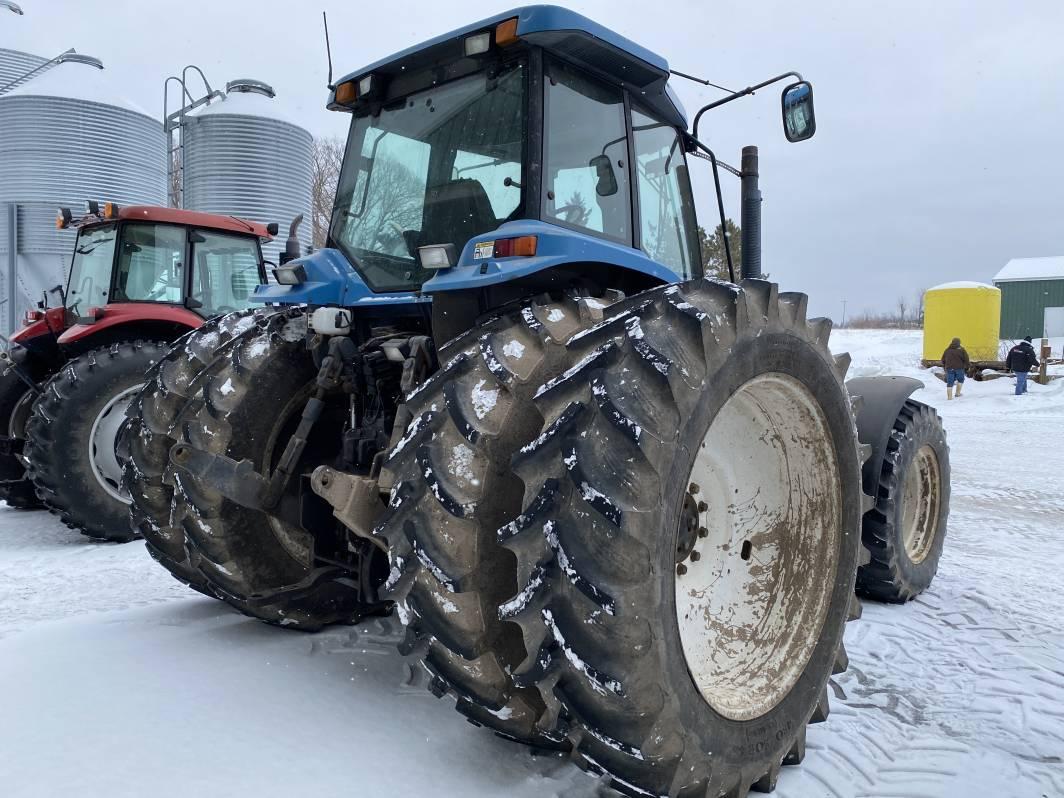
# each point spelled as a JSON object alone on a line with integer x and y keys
{"x": 695, "y": 556}
{"x": 681, "y": 569}
{"x": 703, "y": 532}
{"x": 702, "y": 507}
{"x": 694, "y": 488}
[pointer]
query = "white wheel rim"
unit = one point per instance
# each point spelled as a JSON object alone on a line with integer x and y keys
{"x": 751, "y": 602}
{"x": 103, "y": 438}
{"x": 920, "y": 504}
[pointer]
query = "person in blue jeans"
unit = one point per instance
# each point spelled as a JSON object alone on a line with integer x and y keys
{"x": 955, "y": 360}
{"x": 1020, "y": 360}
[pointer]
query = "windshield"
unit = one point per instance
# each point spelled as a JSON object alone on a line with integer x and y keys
{"x": 90, "y": 271}
{"x": 437, "y": 167}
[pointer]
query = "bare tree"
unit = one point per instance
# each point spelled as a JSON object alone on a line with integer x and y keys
{"x": 328, "y": 154}
{"x": 903, "y": 307}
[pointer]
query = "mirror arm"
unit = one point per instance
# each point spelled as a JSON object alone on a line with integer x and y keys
{"x": 736, "y": 95}
{"x": 720, "y": 204}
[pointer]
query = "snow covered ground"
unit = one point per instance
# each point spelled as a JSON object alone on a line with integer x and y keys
{"x": 117, "y": 681}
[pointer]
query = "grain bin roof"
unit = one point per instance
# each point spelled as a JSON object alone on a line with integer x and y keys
{"x": 76, "y": 82}
{"x": 246, "y": 103}
{"x": 1032, "y": 269}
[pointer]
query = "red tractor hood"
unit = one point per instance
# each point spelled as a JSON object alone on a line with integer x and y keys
{"x": 132, "y": 314}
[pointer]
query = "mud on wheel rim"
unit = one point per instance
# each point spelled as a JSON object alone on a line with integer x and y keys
{"x": 752, "y": 595}
{"x": 103, "y": 438}
{"x": 921, "y": 496}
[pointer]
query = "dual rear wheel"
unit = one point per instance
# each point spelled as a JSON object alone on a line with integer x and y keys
{"x": 682, "y": 543}
{"x": 630, "y": 532}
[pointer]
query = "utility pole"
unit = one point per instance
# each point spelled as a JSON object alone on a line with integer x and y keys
{"x": 843, "y": 313}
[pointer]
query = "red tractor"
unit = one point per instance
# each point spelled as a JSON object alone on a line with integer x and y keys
{"x": 141, "y": 277}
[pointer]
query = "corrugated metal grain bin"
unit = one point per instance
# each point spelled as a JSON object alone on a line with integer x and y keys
{"x": 242, "y": 157}
{"x": 965, "y": 310}
{"x": 67, "y": 137}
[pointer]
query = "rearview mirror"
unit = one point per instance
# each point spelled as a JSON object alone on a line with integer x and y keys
{"x": 606, "y": 186}
{"x": 799, "y": 121}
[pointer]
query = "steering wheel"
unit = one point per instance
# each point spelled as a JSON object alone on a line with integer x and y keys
{"x": 395, "y": 229}
{"x": 571, "y": 213}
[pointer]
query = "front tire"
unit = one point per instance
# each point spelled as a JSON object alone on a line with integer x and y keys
{"x": 73, "y": 432}
{"x": 906, "y": 530}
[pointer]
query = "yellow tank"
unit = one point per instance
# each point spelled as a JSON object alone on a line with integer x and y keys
{"x": 969, "y": 311}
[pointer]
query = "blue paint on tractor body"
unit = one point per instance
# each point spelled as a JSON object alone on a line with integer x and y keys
{"x": 555, "y": 246}
{"x": 330, "y": 281}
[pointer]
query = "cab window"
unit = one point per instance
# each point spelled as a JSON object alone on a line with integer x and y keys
{"x": 90, "y": 271}
{"x": 586, "y": 154}
{"x": 225, "y": 271}
{"x": 150, "y": 263}
{"x": 666, "y": 207}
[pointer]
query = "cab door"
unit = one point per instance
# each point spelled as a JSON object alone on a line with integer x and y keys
{"x": 226, "y": 268}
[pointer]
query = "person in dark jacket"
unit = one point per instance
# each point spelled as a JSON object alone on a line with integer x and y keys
{"x": 955, "y": 360}
{"x": 1021, "y": 359}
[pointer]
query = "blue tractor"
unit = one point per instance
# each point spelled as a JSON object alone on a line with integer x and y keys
{"x": 617, "y": 504}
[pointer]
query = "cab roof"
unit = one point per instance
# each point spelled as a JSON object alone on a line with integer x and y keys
{"x": 566, "y": 33}
{"x": 208, "y": 221}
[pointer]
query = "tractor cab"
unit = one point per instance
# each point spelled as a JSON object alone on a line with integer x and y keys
{"x": 194, "y": 263}
{"x": 130, "y": 266}
{"x": 509, "y": 156}
{"x": 507, "y": 146}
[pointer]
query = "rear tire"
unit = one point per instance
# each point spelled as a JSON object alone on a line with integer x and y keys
{"x": 153, "y": 415}
{"x": 72, "y": 437}
{"x": 586, "y": 589}
{"x": 453, "y": 489}
{"x": 245, "y": 406}
{"x": 906, "y": 529}
{"x": 16, "y": 401}
{"x": 638, "y": 664}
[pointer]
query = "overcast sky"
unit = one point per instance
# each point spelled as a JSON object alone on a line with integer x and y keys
{"x": 939, "y": 151}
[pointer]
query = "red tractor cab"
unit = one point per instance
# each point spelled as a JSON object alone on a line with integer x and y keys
{"x": 140, "y": 278}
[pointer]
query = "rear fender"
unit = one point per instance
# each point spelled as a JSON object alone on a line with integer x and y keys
{"x": 882, "y": 400}
{"x": 119, "y": 315}
{"x": 556, "y": 247}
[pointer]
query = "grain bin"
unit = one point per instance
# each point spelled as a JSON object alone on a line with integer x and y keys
{"x": 242, "y": 157}
{"x": 965, "y": 310}
{"x": 66, "y": 137}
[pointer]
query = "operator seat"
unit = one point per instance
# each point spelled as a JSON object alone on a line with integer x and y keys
{"x": 456, "y": 211}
